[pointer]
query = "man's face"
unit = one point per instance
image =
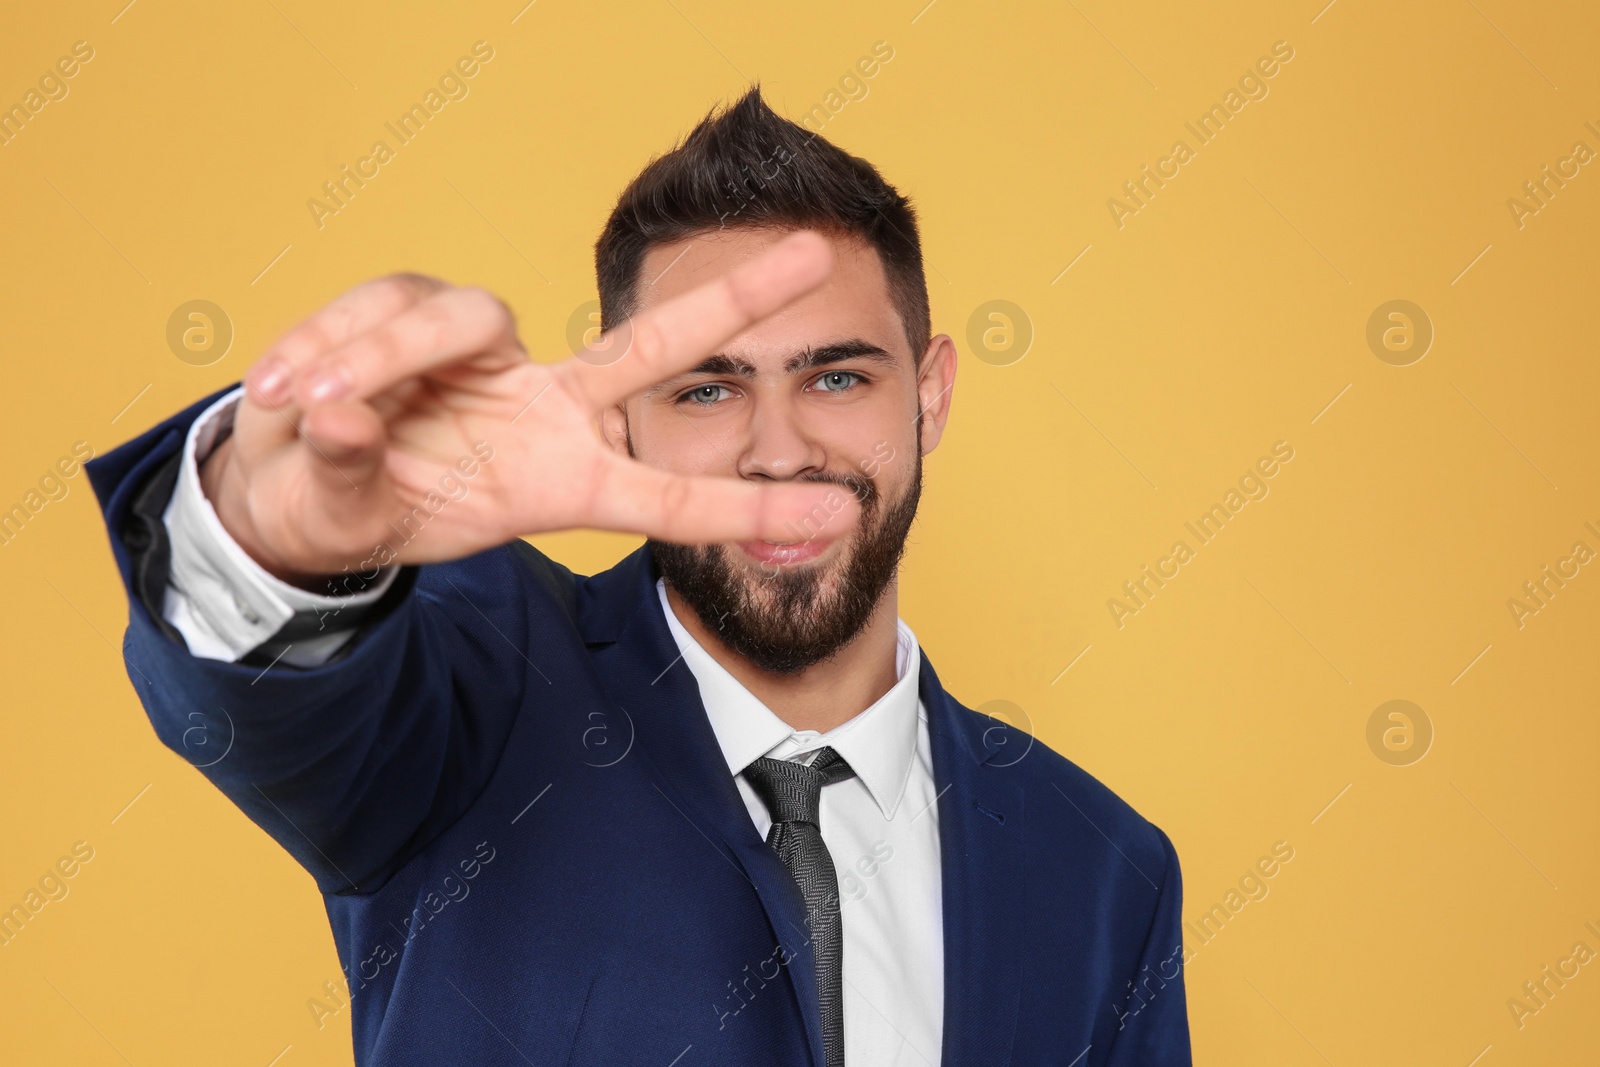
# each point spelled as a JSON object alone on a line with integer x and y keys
{"x": 825, "y": 390}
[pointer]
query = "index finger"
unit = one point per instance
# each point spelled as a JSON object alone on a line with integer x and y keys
{"x": 675, "y": 336}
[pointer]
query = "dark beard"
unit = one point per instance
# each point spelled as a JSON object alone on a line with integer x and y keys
{"x": 792, "y": 624}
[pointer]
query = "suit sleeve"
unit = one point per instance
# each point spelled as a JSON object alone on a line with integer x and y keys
{"x": 354, "y": 765}
{"x": 1153, "y": 1023}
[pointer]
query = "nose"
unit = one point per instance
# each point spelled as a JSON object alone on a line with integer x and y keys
{"x": 778, "y": 446}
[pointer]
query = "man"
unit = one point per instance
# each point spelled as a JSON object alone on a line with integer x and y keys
{"x": 711, "y": 806}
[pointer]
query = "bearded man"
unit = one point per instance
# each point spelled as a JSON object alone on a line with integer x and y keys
{"x": 709, "y": 806}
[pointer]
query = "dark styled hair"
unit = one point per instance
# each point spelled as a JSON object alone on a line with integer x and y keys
{"x": 749, "y": 166}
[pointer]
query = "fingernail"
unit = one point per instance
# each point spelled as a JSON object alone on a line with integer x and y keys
{"x": 328, "y": 384}
{"x": 270, "y": 376}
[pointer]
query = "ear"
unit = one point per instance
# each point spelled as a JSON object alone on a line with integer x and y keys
{"x": 935, "y": 386}
{"x": 614, "y": 428}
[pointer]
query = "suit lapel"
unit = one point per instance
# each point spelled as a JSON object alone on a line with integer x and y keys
{"x": 639, "y": 663}
{"x": 980, "y": 846}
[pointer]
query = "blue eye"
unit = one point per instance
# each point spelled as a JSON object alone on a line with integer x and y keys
{"x": 698, "y": 395}
{"x": 851, "y": 378}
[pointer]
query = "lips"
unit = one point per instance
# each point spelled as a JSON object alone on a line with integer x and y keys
{"x": 783, "y": 555}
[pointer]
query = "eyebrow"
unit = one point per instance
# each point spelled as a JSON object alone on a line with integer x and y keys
{"x": 807, "y": 359}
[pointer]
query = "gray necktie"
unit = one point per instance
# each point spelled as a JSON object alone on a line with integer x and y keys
{"x": 793, "y": 794}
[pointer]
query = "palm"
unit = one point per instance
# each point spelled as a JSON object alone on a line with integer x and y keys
{"x": 531, "y": 447}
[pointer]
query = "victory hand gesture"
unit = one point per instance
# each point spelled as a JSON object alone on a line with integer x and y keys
{"x": 374, "y": 410}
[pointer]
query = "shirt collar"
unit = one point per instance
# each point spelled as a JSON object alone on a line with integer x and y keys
{"x": 879, "y": 743}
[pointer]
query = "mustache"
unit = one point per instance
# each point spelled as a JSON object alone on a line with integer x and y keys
{"x": 861, "y": 487}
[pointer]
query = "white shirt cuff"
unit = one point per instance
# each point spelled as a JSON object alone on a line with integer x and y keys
{"x": 224, "y": 603}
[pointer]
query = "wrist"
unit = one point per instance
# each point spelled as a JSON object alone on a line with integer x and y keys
{"x": 224, "y": 486}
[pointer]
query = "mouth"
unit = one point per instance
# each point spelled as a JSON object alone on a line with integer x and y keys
{"x": 784, "y": 553}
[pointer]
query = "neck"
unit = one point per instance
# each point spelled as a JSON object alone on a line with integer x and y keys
{"x": 826, "y": 694}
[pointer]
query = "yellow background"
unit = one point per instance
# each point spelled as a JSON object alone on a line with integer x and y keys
{"x": 1228, "y": 314}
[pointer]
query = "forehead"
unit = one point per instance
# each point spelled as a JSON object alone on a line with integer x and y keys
{"x": 852, "y": 302}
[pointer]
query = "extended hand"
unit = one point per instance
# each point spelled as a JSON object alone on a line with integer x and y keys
{"x": 402, "y": 385}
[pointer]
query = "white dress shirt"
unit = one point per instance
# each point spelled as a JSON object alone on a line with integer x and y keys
{"x": 882, "y": 830}
{"x": 881, "y": 826}
{"x": 222, "y": 601}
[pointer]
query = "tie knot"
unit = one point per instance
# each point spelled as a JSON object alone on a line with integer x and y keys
{"x": 793, "y": 791}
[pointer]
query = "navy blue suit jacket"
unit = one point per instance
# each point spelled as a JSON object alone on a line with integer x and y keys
{"x": 531, "y": 850}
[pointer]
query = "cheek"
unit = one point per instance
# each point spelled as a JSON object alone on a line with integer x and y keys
{"x": 872, "y": 436}
{"x": 666, "y": 438}
{"x": 888, "y": 460}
